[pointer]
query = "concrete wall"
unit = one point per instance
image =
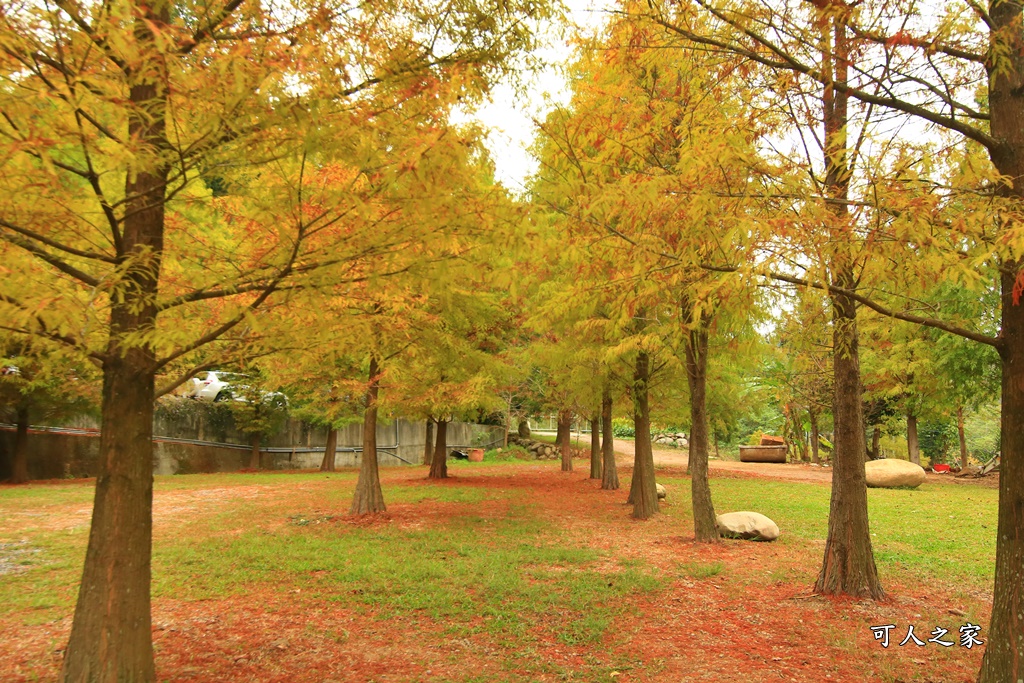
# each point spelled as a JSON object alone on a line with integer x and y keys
{"x": 55, "y": 455}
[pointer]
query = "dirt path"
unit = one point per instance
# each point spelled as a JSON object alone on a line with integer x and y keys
{"x": 676, "y": 458}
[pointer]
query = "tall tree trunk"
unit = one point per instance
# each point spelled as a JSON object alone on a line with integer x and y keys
{"x": 428, "y": 446}
{"x": 563, "y": 438}
{"x": 813, "y": 414}
{"x": 111, "y": 633}
{"x": 19, "y": 465}
{"x": 369, "y": 498}
{"x": 610, "y": 471}
{"x": 330, "y": 450}
{"x": 1004, "y": 651}
{"x": 439, "y": 462}
{"x": 642, "y": 492}
{"x": 964, "y": 457}
{"x": 912, "y": 447}
{"x": 704, "y": 527}
{"x": 876, "y": 442}
{"x": 595, "y": 446}
{"x": 254, "y": 452}
{"x": 849, "y": 563}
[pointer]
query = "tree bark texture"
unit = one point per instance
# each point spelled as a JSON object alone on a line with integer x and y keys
{"x": 964, "y": 457}
{"x": 369, "y": 498}
{"x": 19, "y": 463}
{"x": 642, "y": 492}
{"x": 876, "y": 442}
{"x": 610, "y": 472}
{"x": 524, "y": 428}
{"x": 439, "y": 462}
{"x": 330, "y": 450}
{"x": 595, "y": 446}
{"x": 813, "y": 415}
{"x": 563, "y": 438}
{"x": 913, "y": 450}
{"x": 704, "y": 528}
{"x": 254, "y": 452}
{"x": 428, "y": 445}
{"x": 111, "y": 633}
{"x": 849, "y": 563}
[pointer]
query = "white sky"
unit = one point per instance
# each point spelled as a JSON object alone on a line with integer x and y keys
{"x": 510, "y": 116}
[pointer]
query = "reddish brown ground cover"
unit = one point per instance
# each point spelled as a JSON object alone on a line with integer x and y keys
{"x": 754, "y": 621}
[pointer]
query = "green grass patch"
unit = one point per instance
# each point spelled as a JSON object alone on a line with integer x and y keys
{"x": 937, "y": 531}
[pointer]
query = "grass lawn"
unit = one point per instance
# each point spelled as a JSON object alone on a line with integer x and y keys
{"x": 506, "y": 572}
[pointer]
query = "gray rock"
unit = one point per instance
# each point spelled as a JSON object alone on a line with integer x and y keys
{"x": 889, "y": 474}
{"x": 751, "y": 526}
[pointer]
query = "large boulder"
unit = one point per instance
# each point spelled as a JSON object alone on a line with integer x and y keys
{"x": 751, "y": 526}
{"x": 889, "y": 474}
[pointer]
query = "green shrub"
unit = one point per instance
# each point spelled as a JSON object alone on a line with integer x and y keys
{"x": 623, "y": 429}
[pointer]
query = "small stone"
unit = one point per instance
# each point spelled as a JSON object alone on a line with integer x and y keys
{"x": 661, "y": 491}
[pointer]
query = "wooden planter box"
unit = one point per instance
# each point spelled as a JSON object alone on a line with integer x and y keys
{"x": 763, "y": 453}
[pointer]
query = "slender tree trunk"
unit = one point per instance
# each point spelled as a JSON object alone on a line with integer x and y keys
{"x": 330, "y": 450}
{"x": 912, "y": 448}
{"x": 705, "y": 530}
{"x": 595, "y": 446}
{"x": 19, "y": 465}
{"x": 610, "y": 471}
{"x": 642, "y": 492}
{"x": 564, "y": 438}
{"x": 876, "y": 442}
{"x": 111, "y": 633}
{"x": 964, "y": 457}
{"x": 813, "y": 414}
{"x": 849, "y": 563}
{"x": 369, "y": 498}
{"x": 428, "y": 446}
{"x": 254, "y": 452}
{"x": 439, "y": 463}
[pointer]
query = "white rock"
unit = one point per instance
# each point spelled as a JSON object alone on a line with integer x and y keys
{"x": 661, "y": 491}
{"x": 892, "y": 473}
{"x": 747, "y": 525}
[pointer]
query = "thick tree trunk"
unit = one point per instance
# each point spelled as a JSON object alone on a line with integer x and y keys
{"x": 369, "y": 498}
{"x": 111, "y": 633}
{"x": 1004, "y": 650}
{"x": 563, "y": 438}
{"x": 849, "y": 563}
{"x": 254, "y": 452}
{"x": 964, "y": 457}
{"x": 642, "y": 492}
{"x": 330, "y": 450}
{"x": 439, "y": 461}
{"x": 610, "y": 471}
{"x": 913, "y": 451}
{"x": 524, "y": 429}
{"x": 595, "y": 446}
{"x": 815, "y": 458}
{"x": 428, "y": 446}
{"x": 19, "y": 463}
{"x": 704, "y": 527}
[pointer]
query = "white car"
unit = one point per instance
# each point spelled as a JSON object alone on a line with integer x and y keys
{"x": 215, "y": 385}
{"x": 211, "y": 386}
